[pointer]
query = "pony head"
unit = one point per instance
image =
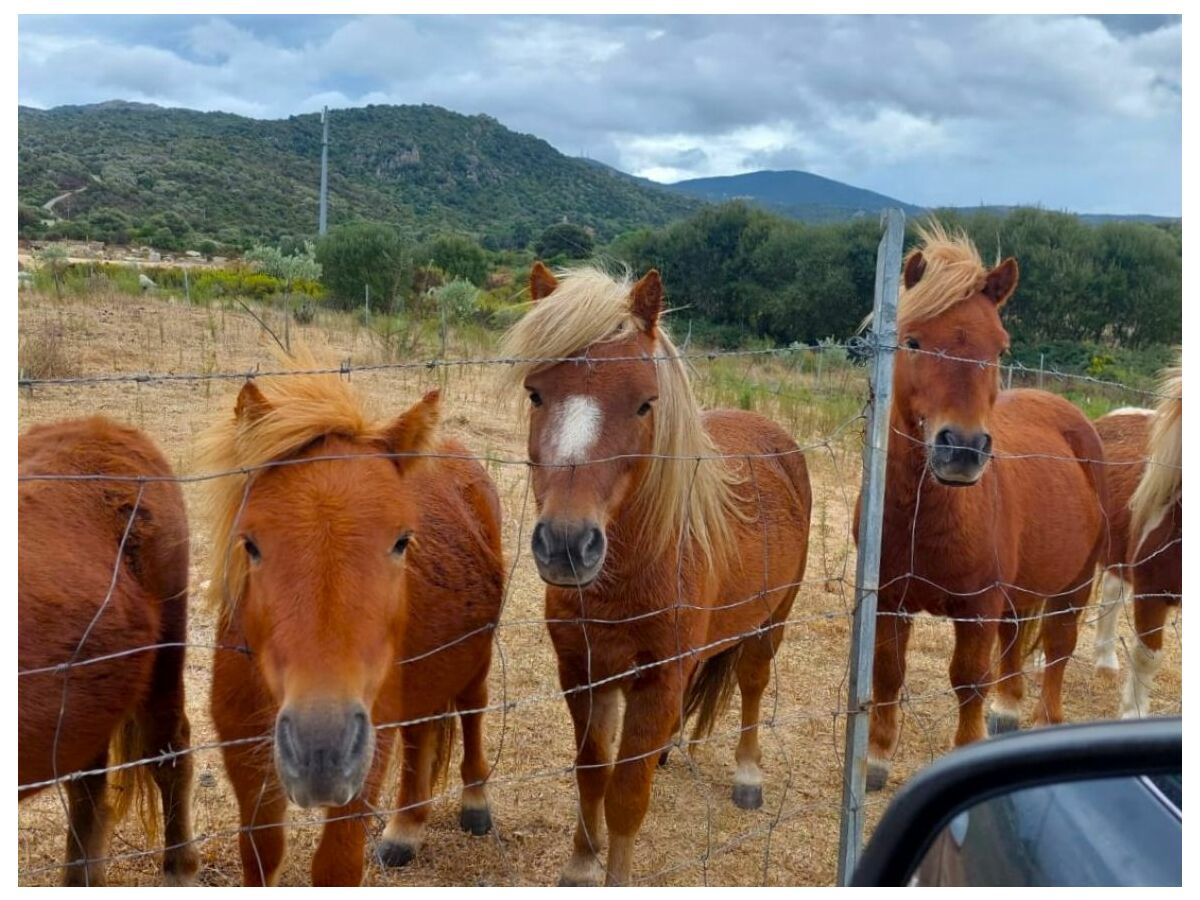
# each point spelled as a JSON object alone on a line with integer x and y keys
{"x": 951, "y": 339}
{"x": 613, "y": 424}
{"x": 309, "y": 563}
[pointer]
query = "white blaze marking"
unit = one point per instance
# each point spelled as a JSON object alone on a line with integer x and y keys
{"x": 574, "y": 430}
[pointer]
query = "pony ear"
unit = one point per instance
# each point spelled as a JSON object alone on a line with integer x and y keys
{"x": 541, "y": 281}
{"x": 1001, "y": 282}
{"x": 914, "y": 268}
{"x": 647, "y": 298}
{"x": 413, "y": 431}
{"x": 251, "y": 404}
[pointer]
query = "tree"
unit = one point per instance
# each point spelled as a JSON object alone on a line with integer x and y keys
{"x": 565, "y": 239}
{"x": 287, "y": 269}
{"x": 457, "y": 256}
{"x": 363, "y": 255}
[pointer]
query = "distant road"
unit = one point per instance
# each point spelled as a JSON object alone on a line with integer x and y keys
{"x": 49, "y": 205}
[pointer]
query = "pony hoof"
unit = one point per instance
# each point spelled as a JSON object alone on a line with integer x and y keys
{"x": 567, "y": 881}
{"x": 475, "y": 821}
{"x": 395, "y": 856}
{"x": 877, "y": 776}
{"x": 998, "y": 723}
{"x": 747, "y": 796}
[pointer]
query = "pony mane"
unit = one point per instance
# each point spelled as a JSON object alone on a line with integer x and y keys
{"x": 304, "y": 408}
{"x": 678, "y": 495}
{"x": 953, "y": 272}
{"x": 1161, "y": 484}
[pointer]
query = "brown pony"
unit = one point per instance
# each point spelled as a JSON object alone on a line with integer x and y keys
{"x": 102, "y": 583}
{"x": 672, "y": 542}
{"x": 994, "y": 547}
{"x": 1155, "y": 543}
{"x": 1125, "y": 433}
{"x": 365, "y": 582}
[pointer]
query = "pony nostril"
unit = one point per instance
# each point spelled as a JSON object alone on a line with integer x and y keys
{"x": 285, "y": 738}
{"x": 592, "y": 548}
{"x": 944, "y": 438}
{"x": 356, "y": 741}
{"x": 985, "y": 445}
{"x": 541, "y": 546}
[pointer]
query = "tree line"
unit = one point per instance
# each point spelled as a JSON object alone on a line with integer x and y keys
{"x": 1118, "y": 284}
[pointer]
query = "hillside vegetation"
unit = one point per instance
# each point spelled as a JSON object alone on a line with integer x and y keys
{"x": 173, "y": 177}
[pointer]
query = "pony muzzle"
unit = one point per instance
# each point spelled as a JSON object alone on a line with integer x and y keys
{"x": 568, "y": 554}
{"x": 958, "y": 458}
{"x": 323, "y": 753}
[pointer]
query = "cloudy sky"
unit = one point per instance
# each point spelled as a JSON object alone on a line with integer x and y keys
{"x": 1072, "y": 112}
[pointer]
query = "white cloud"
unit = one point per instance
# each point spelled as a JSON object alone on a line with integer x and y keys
{"x": 1002, "y": 108}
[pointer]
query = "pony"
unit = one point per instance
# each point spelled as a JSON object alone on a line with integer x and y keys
{"x": 365, "y": 582}
{"x": 1125, "y": 433}
{"x": 994, "y": 501}
{"x": 1155, "y": 541}
{"x": 102, "y": 600}
{"x": 672, "y": 544}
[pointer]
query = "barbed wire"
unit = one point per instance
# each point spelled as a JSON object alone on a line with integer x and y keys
{"x": 779, "y": 718}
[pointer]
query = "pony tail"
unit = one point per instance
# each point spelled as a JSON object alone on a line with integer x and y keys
{"x": 710, "y": 691}
{"x": 133, "y": 787}
{"x": 444, "y": 750}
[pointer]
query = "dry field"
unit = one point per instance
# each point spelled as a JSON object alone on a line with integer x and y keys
{"x": 693, "y": 834}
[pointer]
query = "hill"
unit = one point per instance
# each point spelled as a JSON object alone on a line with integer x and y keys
{"x": 799, "y": 195}
{"x": 236, "y": 179}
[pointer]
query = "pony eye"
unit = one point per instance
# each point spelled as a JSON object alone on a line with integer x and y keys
{"x": 535, "y": 398}
{"x": 912, "y": 343}
{"x": 645, "y": 408}
{"x": 401, "y": 544}
{"x": 252, "y": 550}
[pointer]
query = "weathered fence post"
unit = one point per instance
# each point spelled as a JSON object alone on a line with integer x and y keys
{"x": 870, "y": 535}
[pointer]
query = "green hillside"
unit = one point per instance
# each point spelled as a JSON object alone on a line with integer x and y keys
{"x": 191, "y": 175}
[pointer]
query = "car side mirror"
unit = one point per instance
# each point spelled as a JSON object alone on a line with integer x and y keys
{"x": 1098, "y": 803}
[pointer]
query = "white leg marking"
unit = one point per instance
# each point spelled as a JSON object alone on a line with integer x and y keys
{"x": 748, "y": 773}
{"x": 404, "y": 831}
{"x": 1005, "y": 707}
{"x": 575, "y": 429}
{"x": 1135, "y": 697}
{"x": 1112, "y": 598}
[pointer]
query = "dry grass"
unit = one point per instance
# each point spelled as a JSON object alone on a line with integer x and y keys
{"x": 693, "y": 834}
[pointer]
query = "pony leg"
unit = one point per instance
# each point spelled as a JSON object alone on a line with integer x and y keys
{"x": 753, "y": 675}
{"x": 405, "y": 830}
{"x": 891, "y": 648}
{"x": 87, "y": 833}
{"x": 595, "y": 716}
{"x": 1112, "y": 598}
{"x": 1149, "y": 617}
{"x": 262, "y": 805}
{"x": 1060, "y": 632}
{"x": 1005, "y": 712}
{"x": 475, "y": 817}
{"x": 166, "y": 727}
{"x": 339, "y": 857}
{"x": 970, "y": 672}
{"x": 646, "y": 730}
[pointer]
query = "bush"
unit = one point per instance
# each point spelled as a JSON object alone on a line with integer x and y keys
{"x": 366, "y": 254}
{"x": 565, "y": 240}
{"x": 457, "y": 300}
{"x": 457, "y": 256}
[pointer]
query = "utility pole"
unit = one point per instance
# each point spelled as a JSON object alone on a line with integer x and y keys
{"x": 324, "y": 169}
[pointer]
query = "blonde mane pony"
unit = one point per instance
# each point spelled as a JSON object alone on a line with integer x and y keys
{"x": 953, "y": 272}
{"x": 1161, "y": 484}
{"x": 678, "y": 495}
{"x": 303, "y": 408}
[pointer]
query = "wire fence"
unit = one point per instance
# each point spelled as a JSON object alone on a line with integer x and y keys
{"x": 692, "y": 833}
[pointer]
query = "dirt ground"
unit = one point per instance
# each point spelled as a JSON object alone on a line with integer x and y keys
{"x": 693, "y": 834}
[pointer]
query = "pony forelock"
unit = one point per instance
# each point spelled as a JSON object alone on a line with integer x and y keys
{"x": 688, "y": 489}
